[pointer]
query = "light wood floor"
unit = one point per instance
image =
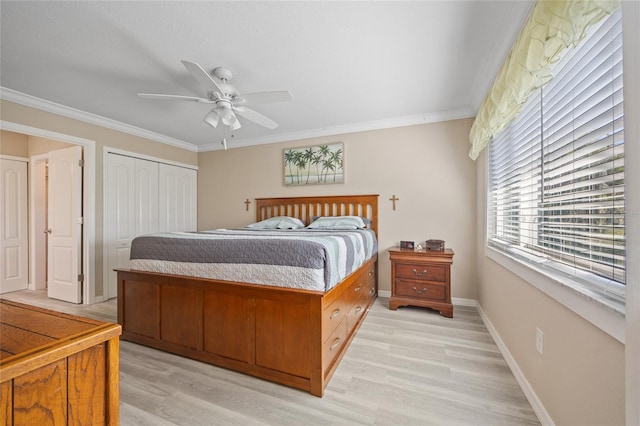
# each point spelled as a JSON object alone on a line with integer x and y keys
{"x": 405, "y": 367}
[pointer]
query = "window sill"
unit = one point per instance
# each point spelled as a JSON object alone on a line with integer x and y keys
{"x": 607, "y": 315}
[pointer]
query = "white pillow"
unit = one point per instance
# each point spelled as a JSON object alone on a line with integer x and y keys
{"x": 278, "y": 222}
{"x": 337, "y": 222}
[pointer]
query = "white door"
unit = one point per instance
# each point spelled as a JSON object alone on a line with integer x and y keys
{"x": 64, "y": 254}
{"x": 178, "y": 198}
{"x": 14, "y": 242}
{"x": 131, "y": 210}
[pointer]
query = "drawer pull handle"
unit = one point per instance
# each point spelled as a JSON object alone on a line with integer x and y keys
{"x": 358, "y": 309}
{"x": 335, "y": 344}
{"x": 370, "y": 273}
{"x": 372, "y": 290}
{"x": 419, "y": 274}
{"x": 418, "y": 291}
{"x": 358, "y": 288}
{"x": 335, "y": 313}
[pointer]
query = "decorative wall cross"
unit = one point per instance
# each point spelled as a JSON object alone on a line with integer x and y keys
{"x": 393, "y": 199}
{"x": 247, "y": 202}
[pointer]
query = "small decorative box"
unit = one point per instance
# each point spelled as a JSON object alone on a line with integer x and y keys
{"x": 434, "y": 245}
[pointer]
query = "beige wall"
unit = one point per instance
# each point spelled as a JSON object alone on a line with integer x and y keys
{"x": 13, "y": 144}
{"x": 425, "y": 166}
{"x": 39, "y": 146}
{"x": 580, "y": 379}
{"x": 103, "y": 137}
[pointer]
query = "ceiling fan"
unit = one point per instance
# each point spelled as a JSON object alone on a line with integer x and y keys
{"x": 229, "y": 103}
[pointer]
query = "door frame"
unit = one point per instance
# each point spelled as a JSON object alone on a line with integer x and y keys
{"x": 88, "y": 203}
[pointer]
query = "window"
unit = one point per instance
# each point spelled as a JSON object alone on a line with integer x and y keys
{"x": 556, "y": 173}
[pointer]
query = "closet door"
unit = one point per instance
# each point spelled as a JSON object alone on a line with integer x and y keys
{"x": 131, "y": 209}
{"x": 178, "y": 198}
{"x": 14, "y": 264}
{"x": 146, "y": 196}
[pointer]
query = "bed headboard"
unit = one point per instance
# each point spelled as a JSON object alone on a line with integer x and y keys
{"x": 304, "y": 208}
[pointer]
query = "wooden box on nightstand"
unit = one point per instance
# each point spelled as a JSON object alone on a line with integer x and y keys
{"x": 421, "y": 278}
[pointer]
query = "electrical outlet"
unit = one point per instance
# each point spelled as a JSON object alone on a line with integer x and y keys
{"x": 539, "y": 341}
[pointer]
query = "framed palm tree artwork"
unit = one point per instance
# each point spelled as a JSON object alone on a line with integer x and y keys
{"x": 311, "y": 165}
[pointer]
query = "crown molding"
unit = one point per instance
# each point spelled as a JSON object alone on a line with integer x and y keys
{"x": 390, "y": 123}
{"x": 54, "y": 108}
{"x": 86, "y": 117}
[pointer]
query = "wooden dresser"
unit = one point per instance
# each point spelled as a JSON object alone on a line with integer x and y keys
{"x": 57, "y": 369}
{"x": 421, "y": 278}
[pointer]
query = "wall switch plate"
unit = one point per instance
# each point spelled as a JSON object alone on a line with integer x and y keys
{"x": 539, "y": 341}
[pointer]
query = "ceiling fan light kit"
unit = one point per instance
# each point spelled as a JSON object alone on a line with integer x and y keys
{"x": 229, "y": 103}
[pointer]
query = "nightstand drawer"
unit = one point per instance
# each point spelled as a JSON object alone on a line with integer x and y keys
{"x": 420, "y": 291}
{"x": 424, "y": 272}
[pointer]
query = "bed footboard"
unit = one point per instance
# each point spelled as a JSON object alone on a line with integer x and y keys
{"x": 288, "y": 336}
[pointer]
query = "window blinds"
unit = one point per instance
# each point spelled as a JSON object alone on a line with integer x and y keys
{"x": 552, "y": 27}
{"x": 556, "y": 173}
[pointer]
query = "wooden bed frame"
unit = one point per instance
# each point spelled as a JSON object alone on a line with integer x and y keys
{"x": 288, "y": 336}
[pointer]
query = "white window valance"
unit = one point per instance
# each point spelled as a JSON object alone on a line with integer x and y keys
{"x": 551, "y": 28}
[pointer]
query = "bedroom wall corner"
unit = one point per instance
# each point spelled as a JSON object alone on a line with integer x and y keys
{"x": 13, "y": 144}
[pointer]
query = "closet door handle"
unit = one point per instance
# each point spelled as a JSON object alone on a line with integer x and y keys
{"x": 47, "y": 231}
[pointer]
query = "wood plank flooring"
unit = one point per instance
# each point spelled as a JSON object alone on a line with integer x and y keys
{"x": 405, "y": 367}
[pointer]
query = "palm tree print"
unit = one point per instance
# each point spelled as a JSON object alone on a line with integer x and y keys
{"x": 314, "y": 164}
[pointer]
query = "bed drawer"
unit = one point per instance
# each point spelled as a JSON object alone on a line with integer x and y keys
{"x": 421, "y": 272}
{"x": 370, "y": 284}
{"x": 357, "y": 290}
{"x": 333, "y": 315}
{"x": 419, "y": 290}
{"x": 357, "y": 311}
{"x": 332, "y": 347}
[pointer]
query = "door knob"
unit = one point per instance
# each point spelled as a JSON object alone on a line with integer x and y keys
{"x": 47, "y": 231}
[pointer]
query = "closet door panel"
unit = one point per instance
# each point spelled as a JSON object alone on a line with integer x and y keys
{"x": 146, "y": 197}
{"x": 119, "y": 216}
{"x": 178, "y": 198}
{"x": 132, "y": 209}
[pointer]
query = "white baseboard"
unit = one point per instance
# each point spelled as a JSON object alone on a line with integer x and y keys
{"x": 93, "y": 300}
{"x": 536, "y": 404}
{"x": 384, "y": 293}
{"x": 461, "y": 301}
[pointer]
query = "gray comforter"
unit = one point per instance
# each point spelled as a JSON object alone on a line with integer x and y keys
{"x": 307, "y": 259}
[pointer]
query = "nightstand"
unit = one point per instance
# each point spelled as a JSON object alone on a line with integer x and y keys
{"x": 421, "y": 278}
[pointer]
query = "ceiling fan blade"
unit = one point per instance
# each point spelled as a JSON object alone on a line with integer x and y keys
{"x": 212, "y": 118}
{"x": 236, "y": 125}
{"x": 266, "y": 97}
{"x": 203, "y": 77}
{"x": 173, "y": 97}
{"x": 256, "y": 117}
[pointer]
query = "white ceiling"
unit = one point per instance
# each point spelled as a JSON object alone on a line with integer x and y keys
{"x": 350, "y": 66}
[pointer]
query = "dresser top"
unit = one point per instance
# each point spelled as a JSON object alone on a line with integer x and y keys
{"x": 27, "y": 331}
{"x": 445, "y": 253}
